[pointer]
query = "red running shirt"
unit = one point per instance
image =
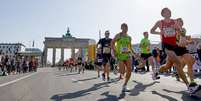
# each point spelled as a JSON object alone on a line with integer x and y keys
{"x": 169, "y": 33}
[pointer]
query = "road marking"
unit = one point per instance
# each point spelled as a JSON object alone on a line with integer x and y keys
{"x": 16, "y": 80}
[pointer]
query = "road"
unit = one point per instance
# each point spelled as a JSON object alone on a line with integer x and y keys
{"x": 49, "y": 84}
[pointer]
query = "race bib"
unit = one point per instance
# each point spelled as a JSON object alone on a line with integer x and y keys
{"x": 124, "y": 50}
{"x": 169, "y": 32}
{"x": 106, "y": 50}
{"x": 100, "y": 60}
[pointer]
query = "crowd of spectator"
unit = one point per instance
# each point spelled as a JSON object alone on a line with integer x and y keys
{"x": 11, "y": 65}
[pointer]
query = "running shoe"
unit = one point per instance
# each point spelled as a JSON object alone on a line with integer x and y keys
{"x": 103, "y": 77}
{"x": 125, "y": 88}
{"x": 193, "y": 87}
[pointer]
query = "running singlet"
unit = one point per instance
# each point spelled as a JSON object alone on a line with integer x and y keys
{"x": 145, "y": 46}
{"x": 105, "y": 43}
{"x": 123, "y": 48}
{"x": 169, "y": 33}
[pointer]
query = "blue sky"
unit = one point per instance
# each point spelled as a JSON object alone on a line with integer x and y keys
{"x": 27, "y": 20}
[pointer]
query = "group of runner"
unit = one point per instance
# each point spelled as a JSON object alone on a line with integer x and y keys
{"x": 73, "y": 65}
{"x": 174, "y": 42}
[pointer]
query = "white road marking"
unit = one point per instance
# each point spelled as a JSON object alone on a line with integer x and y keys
{"x": 16, "y": 80}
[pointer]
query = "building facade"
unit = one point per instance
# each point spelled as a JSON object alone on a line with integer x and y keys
{"x": 11, "y": 48}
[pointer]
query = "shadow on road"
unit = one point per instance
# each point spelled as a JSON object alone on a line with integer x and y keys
{"x": 164, "y": 96}
{"x": 140, "y": 87}
{"x": 66, "y": 74}
{"x": 86, "y": 79}
{"x": 110, "y": 97}
{"x": 185, "y": 95}
{"x": 60, "y": 97}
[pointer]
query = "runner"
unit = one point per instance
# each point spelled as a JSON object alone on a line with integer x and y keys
{"x": 71, "y": 63}
{"x": 106, "y": 52}
{"x": 122, "y": 52}
{"x": 185, "y": 57}
{"x": 168, "y": 34}
{"x": 145, "y": 51}
{"x": 156, "y": 63}
{"x": 98, "y": 60}
{"x": 147, "y": 57}
{"x": 79, "y": 64}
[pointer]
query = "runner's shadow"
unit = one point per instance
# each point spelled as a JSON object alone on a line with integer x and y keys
{"x": 186, "y": 96}
{"x": 164, "y": 96}
{"x": 86, "y": 79}
{"x": 112, "y": 97}
{"x": 108, "y": 97}
{"x": 60, "y": 97}
{"x": 68, "y": 74}
{"x": 140, "y": 87}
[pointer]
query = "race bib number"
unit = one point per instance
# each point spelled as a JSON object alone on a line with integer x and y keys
{"x": 169, "y": 32}
{"x": 100, "y": 60}
{"x": 124, "y": 50}
{"x": 106, "y": 50}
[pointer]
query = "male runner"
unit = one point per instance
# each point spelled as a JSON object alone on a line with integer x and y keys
{"x": 122, "y": 51}
{"x": 98, "y": 60}
{"x": 168, "y": 36}
{"x": 145, "y": 50}
{"x": 106, "y": 53}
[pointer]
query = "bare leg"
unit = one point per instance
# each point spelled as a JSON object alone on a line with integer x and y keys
{"x": 178, "y": 65}
{"x": 189, "y": 61}
{"x": 167, "y": 66}
{"x": 128, "y": 71}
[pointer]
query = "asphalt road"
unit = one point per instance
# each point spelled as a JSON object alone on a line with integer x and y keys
{"x": 49, "y": 84}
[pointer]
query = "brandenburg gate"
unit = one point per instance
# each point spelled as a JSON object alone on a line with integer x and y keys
{"x": 66, "y": 41}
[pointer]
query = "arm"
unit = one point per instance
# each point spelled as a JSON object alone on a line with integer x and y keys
{"x": 113, "y": 43}
{"x": 153, "y": 30}
{"x": 132, "y": 51}
{"x": 189, "y": 40}
{"x": 130, "y": 46}
{"x": 141, "y": 44}
{"x": 98, "y": 43}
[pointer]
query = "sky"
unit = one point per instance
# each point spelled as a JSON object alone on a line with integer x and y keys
{"x": 27, "y": 20}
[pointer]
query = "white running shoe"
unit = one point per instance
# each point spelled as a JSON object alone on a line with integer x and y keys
{"x": 125, "y": 88}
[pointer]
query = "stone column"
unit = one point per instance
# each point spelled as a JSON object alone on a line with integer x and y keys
{"x": 62, "y": 54}
{"x": 54, "y": 57}
{"x": 80, "y": 52}
{"x": 73, "y": 53}
{"x": 45, "y": 57}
